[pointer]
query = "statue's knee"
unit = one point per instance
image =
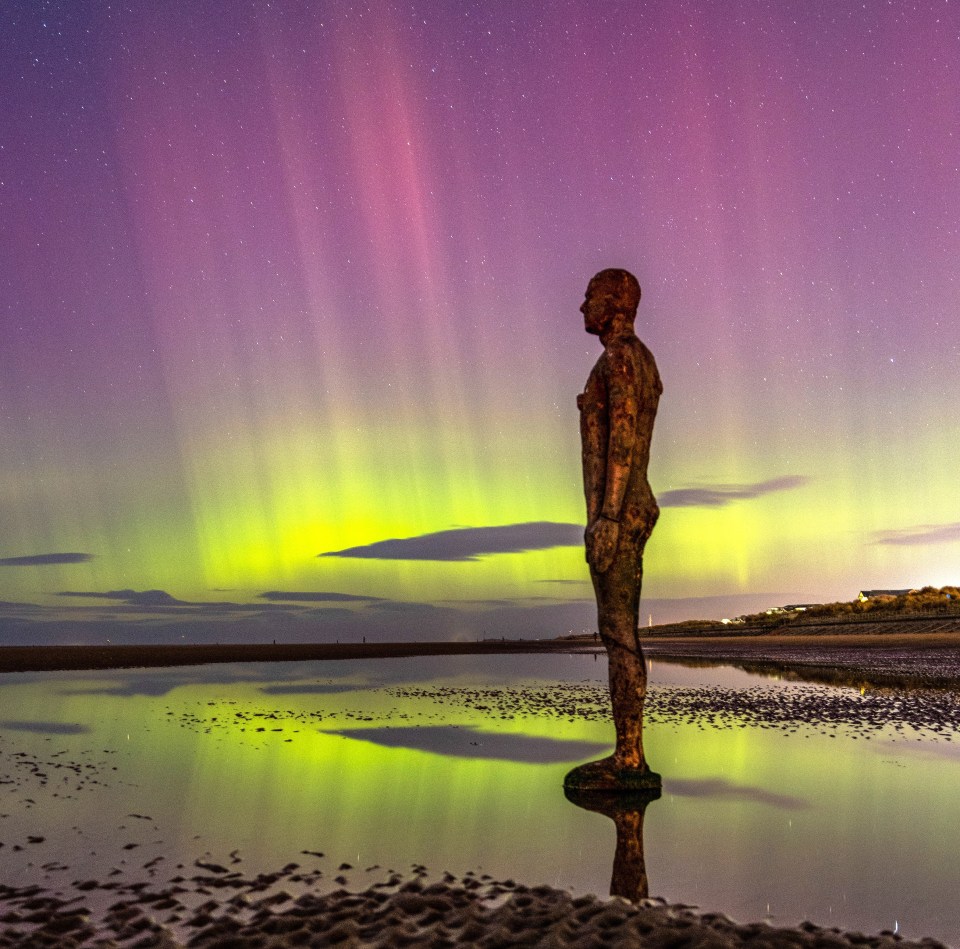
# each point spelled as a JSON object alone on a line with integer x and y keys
{"x": 622, "y": 640}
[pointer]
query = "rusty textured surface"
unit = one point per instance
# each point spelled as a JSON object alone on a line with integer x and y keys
{"x": 617, "y": 411}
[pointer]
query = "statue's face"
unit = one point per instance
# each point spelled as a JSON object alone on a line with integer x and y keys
{"x": 598, "y": 308}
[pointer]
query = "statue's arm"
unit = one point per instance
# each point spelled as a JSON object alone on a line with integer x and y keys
{"x": 623, "y": 394}
{"x": 603, "y": 532}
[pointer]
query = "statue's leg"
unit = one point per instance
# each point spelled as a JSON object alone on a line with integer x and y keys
{"x": 618, "y": 606}
{"x": 628, "y": 690}
{"x": 618, "y": 599}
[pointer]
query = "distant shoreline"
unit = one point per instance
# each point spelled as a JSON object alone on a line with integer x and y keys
{"x": 879, "y": 623}
{"x": 59, "y": 658}
{"x": 914, "y": 653}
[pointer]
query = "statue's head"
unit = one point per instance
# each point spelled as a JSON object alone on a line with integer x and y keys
{"x": 610, "y": 294}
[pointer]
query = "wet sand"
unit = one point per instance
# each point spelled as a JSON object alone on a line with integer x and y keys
{"x": 215, "y": 905}
{"x": 224, "y": 908}
{"x": 920, "y": 659}
{"x": 53, "y": 658}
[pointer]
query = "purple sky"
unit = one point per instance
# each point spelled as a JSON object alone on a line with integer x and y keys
{"x": 280, "y": 279}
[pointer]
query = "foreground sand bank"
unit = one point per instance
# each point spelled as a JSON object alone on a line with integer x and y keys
{"x": 232, "y": 911}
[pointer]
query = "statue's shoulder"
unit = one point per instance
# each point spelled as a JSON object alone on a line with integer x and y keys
{"x": 644, "y": 363}
{"x": 646, "y": 355}
{"x": 630, "y": 349}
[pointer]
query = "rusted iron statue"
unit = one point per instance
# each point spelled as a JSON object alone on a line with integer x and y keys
{"x": 617, "y": 411}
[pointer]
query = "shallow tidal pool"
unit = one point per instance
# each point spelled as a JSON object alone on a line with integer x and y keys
{"x": 781, "y": 800}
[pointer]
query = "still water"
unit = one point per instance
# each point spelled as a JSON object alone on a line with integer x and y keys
{"x": 457, "y": 763}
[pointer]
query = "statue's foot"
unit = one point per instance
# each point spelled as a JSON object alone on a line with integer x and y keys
{"x": 610, "y": 775}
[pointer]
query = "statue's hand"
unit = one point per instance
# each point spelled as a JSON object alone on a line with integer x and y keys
{"x": 601, "y": 542}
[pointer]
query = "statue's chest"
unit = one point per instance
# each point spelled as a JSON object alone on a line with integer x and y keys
{"x": 593, "y": 399}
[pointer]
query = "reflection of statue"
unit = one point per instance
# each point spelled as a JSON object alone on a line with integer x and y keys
{"x": 626, "y": 810}
{"x": 617, "y": 410}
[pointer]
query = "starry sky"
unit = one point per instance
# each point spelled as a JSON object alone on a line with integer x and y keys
{"x": 289, "y": 329}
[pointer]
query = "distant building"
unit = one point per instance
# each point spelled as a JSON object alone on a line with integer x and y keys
{"x": 790, "y": 608}
{"x": 865, "y": 595}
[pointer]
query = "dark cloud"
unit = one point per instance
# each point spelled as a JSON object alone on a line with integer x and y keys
{"x": 469, "y": 543}
{"x": 919, "y": 536}
{"x": 44, "y": 560}
{"x": 484, "y": 603}
{"x": 14, "y": 608}
{"x": 720, "y": 495}
{"x": 132, "y": 597}
{"x": 402, "y": 606}
{"x": 140, "y": 601}
{"x": 309, "y": 597}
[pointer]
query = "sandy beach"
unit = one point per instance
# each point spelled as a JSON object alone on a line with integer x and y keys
{"x": 51, "y": 658}
{"x": 919, "y": 658}
{"x": 222, "y": 909}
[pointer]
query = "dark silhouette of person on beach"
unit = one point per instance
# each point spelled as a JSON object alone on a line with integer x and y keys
{"x": 617, "y": 412}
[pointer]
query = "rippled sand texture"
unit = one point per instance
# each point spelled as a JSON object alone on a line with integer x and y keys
{"x": 226, "y": 909}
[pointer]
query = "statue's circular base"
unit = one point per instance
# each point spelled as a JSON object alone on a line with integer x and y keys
{"x": 613, "y": 804}
{"x": 607, "y": 777}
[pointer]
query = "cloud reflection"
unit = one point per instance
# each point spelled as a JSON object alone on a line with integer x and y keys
{"x": 466, "y": 742}
{"x": 311, "y": 688}
{"x": 45, "y": 728}
{"x": 721, "y": 788}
